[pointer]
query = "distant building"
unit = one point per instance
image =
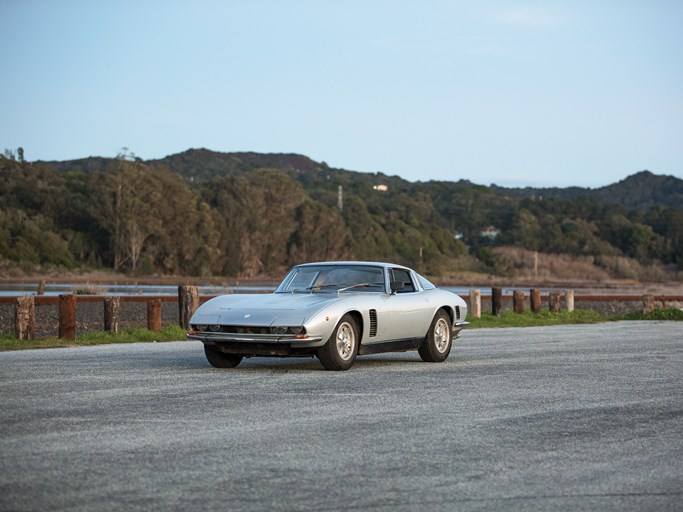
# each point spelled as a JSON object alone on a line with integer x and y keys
{"x": 490, "y": 232}
{"x": 381, "y": 188}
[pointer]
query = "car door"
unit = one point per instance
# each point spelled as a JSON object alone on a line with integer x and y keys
{"x": 407, "y": 308}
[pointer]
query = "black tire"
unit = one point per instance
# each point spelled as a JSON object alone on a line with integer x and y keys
{"x": 340, "y": 350}
{"x": 437, "y": 344}
{"x": 219, "y": 359}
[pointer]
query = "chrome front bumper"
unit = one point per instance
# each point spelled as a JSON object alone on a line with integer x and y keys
{"x": 457, "y": 327}
{"x": 213, "y": 337}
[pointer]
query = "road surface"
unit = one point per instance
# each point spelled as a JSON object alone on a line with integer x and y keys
{"x": 546, "y": 418}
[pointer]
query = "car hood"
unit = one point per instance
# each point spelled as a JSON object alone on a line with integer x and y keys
{"x": 262, "y": 310}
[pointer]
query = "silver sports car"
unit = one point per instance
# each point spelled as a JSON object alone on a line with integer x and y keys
{"x": 335, "y": 311}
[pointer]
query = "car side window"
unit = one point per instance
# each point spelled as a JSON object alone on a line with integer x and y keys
{"x": 403, "y": 276}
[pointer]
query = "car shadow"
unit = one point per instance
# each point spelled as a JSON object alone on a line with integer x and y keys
{"x": 272, "y": 364}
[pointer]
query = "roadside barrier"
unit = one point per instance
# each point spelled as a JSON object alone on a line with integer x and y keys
{"x": 24, "y": 324}
{"x": 25, "y": 310}
{"x": 567, "y": 300}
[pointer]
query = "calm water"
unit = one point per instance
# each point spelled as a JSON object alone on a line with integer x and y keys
{"x": 12, "y": 289}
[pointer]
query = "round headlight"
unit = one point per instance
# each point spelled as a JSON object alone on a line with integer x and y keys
{"x": 201, "y": 327}
{"x": 280, "y": 329}
{"x": 215, "y": 328}
{"x": 296, "y": 329}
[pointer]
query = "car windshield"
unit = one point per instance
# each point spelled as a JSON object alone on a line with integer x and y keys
{"x": 333, "y": 278}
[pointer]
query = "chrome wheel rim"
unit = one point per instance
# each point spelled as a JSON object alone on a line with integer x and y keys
{"x": 442, "y": 334}
{"x": 346, "y": 341}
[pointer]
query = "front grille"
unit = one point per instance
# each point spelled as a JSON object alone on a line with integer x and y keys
{"x": 238, "y": 329}
{"x": 234, "y": 329}
{"x": 373, "y": 322}
{"x": 249, "y": 329}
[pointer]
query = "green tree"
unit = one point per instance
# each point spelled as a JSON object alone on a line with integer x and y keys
{"x": 526, "y": 230}
{"x": 186, "y": 241}
{"x": 126, "y": 201}
{"x": 320, "y": 235}
{"x": 256, "y": 217}
{"x": 367, "y": 237}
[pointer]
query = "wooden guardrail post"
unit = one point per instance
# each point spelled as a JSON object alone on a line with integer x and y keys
{"x": 569, "y": 300}
{"x": 67, "y": 317}
{"x": 535, "y": 299}
{"x": 41, "y": 287}
{"x": 496, "y": 300}
{"x": 518, "y": 301}
{"x": 154, "y": 315}
{"x": 25, "y": 318}
{"x": 475, "y": 303}
{"x": 648, "y": 304}
{"x": 188, "y": 302}
{"x": 112, "y": 314}
{"x": 555, "y": 302}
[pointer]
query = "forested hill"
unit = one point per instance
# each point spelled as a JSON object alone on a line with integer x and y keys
{"x": 643, "y": 190}
{"x": 201, "y": 164}
{"x": 637, "y": 192}
{"x": 202, "y": 212}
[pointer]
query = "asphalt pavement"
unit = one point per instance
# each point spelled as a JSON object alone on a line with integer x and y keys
{"x": 546, "y": 418}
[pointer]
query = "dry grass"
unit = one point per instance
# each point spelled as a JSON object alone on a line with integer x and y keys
{"x": 628, "y": 268}
{"x": 522, "y": 264}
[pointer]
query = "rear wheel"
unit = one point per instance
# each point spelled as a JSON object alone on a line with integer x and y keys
{"x": 340, "y": 350}
{"x": 437, "y": 344}
{"x": 219, "y": 359}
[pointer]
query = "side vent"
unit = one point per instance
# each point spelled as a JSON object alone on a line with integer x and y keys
{"x": 373, "y": 322}
{"x": 457, "y": 312}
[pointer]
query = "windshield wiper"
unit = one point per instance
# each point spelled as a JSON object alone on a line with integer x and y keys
{"x": 362, "y": 285}
{"x": 321, "y": 287}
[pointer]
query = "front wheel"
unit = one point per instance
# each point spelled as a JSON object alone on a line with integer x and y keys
{"x": 437, "y": 344}
{"x": 340, "y": 350}
{"x": 219, "y": 359}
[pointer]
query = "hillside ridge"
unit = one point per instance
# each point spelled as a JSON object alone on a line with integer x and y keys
{"x": 246, "y": 214}
{"x": 638, "y": 191}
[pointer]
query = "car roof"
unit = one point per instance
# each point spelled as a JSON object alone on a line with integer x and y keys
{"x": 373, "y": 263}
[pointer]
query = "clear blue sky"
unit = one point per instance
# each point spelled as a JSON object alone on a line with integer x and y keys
{"x": 540, "y": 93}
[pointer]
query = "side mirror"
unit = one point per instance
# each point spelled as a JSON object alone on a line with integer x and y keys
{"x": 397, "y": 286}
